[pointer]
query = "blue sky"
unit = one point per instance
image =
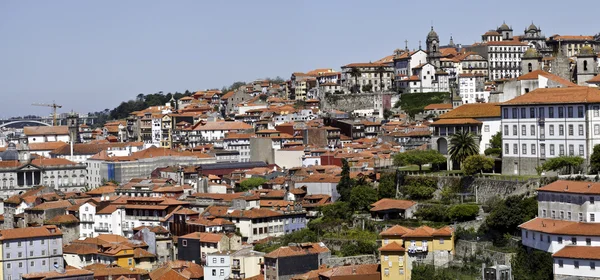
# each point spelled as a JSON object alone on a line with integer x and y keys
{"x": 91, "y": 55}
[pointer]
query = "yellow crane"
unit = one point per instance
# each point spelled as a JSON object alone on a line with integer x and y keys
{"x": 54, "y": 106}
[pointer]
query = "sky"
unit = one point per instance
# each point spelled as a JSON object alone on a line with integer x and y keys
{"x": 92, "y": 55}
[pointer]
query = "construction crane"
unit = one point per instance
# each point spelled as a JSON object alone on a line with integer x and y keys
{"x": 54, "y": 106}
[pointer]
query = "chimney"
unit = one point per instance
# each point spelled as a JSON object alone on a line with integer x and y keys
{"x": 354, "y": 270}
{"x": 589, "y": 186}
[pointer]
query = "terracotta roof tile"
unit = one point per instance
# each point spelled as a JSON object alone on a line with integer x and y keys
{"x": 29, "y": 232}
{"x": 62, "y": 219}
{"x": 578, "y": 187}
{"x": 205, "y": 236}
{"x": 557, "y": 96}
{"x": 534, "y": 75}
{"x": 45, "y": 130}
{"x": 422, "y": 231}
{"x": 440, "y": 106}
{"x": 392, "y": 247}
{"x": 352, "y": 271}
{"x": 476, "y": 110}
{"x": 388, "y": 204}
{"x": 562, "y": 227}
{"x": 396, "y": 230}
{"x": 456, "y": 121}
{"x": 578, "y": 252}
{"x": 298, "y": 250}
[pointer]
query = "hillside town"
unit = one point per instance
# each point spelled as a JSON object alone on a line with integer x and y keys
{"x": 440, "y": 160}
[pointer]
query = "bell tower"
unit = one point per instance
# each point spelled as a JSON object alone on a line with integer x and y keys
{"x": 73, "y": 126}
{"x": 433, "y": 48}
{"x": 531, "y": 61}
{"x": 586, "y": 65}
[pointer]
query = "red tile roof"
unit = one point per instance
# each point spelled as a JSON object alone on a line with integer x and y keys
{"x": 562, "y": 227}
{"x": 557, "y": 96}
{"x": 578, "y": 187}
{"x": 534, "y": 75}
{"x": 579, "y": 252}
{"x": 389, "y": 204}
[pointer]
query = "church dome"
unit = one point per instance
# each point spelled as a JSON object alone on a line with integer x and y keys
{"x": 432, "y": 34}
{"x": 531, "y": 53}
{"x": 11, "y": 153}
{"x": 586, "y": 51}
{"x": 532, "y": 27}
{"x": 504, "y": 27}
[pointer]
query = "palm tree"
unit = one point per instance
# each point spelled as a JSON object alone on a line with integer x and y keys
{"x": 380, "y": 70}
{"x": 462, "y": 145}
{"x": 355, "y": 72}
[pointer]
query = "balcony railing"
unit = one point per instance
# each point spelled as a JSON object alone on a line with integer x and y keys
{"x": 143, "y": 218}
{"x": 101, "y": 229}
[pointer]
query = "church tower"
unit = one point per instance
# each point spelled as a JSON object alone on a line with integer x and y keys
{"x": 586, "y": 65}
{"x": 73, "y": 126}
{"x": 505, "y": 31}
{"x": 433, "y": 48}
{"x": 531, "y": 61}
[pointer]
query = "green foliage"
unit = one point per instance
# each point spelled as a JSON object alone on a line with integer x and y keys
{"x": 595, "y": 160}
{"x": 495, "y": 152}
{"x": 462, "y": 145}
{"x": 496, "y": 141}
{"x": 476, "y": 164}
{"x": 338, "y": 211}
{"x": 567, "y": 163}
{"x": 387, "y": 186}
{"x": 506, "y": 215}
{"x": 420, "y": 187}
{"x": 463, "y": 212}
{"x": 423, "y": 272}
{"x": 434, "y": 213}
{"x": 345, "y": 185}
{"x": 359, "y": 248}
{"x": 414, "y": 104}
{"x": 144, "y": 101}
{"x": 299, "y": 236}
{"x": 367, "y": 88}
{"x": 387, "y": 114}
{"x": 418, "y": 157}
{"x": 300, "y": 104}
{"x": 251, "y": 183}
{"x": 532, "y": 265}
{"x": 361, "y": 197}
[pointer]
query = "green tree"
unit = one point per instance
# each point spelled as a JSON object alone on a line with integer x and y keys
{"x": 355, "y": 73}
{"x": 345, "y": 184}
{"x": 532, "y": 265}
{"x": 567, "y": 163}
{"x": 463, "y": 212}
{"x": 251, "y": 183}
{"x": 462, "y": 145}
{"x": 419, "y": 157}
{"x": 595, "y": 160}
{"x": 387, "y": 186}
{"x": 361, "y": 197}
{"x": 433, "y": 213}
{"x": 367, "y": 88}
{"x": 477, "y": 164}
{"x": 506, "y": 215}
{"x": 387, "y": 113}
{"x": 423, "y": 272}
{"x": 495, "y": 148}
{"x": 380, "y": 70}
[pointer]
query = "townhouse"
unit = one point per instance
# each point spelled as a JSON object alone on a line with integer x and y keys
{"x": 196, "y": 246}
{"x": 213, "y": 131}
{"x": 288, "y": 261}
{"x": 547, "y": 123}
{"x": 402, "y": 248}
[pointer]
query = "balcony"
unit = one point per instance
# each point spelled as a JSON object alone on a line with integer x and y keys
{"x": 86, "y": 221}
{"x": 143, "y": 218}
{"x": 101, "y": 229}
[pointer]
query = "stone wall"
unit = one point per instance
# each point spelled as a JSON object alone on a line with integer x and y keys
{"x": 350, "y": 102}
{"x": 353, "y": 260}
{"x": 480, "y": 249}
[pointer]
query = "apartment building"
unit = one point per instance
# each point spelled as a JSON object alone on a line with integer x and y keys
{"x": 218, "y": 266}
{"x": 213, "y": 131}
{"x": 547, "y": 123}
{"x": 288, "y": 261}
{"x": 471, "y": 88}
{"x": 246, "y": 263}
{"x": 196, "y": 246}
{"x": 30, "y": 250}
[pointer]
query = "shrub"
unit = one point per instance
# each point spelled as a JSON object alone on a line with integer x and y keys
{"x": 463, "y": 212}
{"x": 434, "y": 213}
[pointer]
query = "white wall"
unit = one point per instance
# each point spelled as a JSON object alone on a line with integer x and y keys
{"x": 584, "y": 269}
{"x": 554, "y": 246}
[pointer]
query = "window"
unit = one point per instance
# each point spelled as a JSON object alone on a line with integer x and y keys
{"x": 576, "y": 264}
{"x": 532, "y": 130}
{"x": 541, "y": 114}
{"x": 588, "y": 241}
{"x": 560, "y": 263}
{"x": 580, "y": 111}
{"x": 20, "y": 264}
{"x": 486, "y": 128}
{"x": 386, "y": 258}
{"x": 561, "y": 112}
{"x": 514, "y": 130}
{"x": 8, "y": 255}
{"x": 551, "y": 112}
{"x": 20, "y": 254}
{"x": 560, "y": 240}
{"x": 386, "y": 271}
{"x": 596, "y": 113}
{"x": 222, "y": 260}
{"x": 515, "y": 149}
{"x": 524, "y": 149}
{"x": 581, "y": 130}
{"x": 506, "y": 149}
{"x": 570, "y": 112}
{"x": 571, "y": 149}
{"x": 533, "y": 151}
{"x": 130, "y": 262}
{"x": 402, "y": 271}
{"x": 31, "y": 253}
{"x": 505, "y": 129}
{"x": 569, "y": 215}
{"x": 222, "y": 272}
{"x": 515, "y": 113}
{"x": 523, "y": 130}
{"x": 19, "y": 244}
{"x": 184, "y": 243}
{"x": 532, "y": 113}
{"x": 43, "y": 252}
{"x": 561, "y": 150}
{"x": 592, "y": 217}
{"x": 8, "y": 265}
{"x": 561, "y": 130}
{"x": 581, "y": 150}
{"x": 214, "y": 272}
{"x": 562, "y": 215}
{"x": 543, "y": 213}
{"x": 580, "y": 217}
{"x": 570, "y": 130}
{"x": 592, "y": 199}
{"x": 553, "y": 214}
{"x": 214, "y": 260}
{"x": 32, "y": 264}
{"x": 592, "y": 265}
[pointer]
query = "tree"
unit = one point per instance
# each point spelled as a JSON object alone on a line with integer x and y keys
{"x": 562, "y": 163}
{"x": 533, "y": 264}
{"x": 476, "y": 164}
{"x": 463, "y": 212}
{"x": 462, "y": 145}
{"x": 387, "y": 186}
{"x": 345, "y": 184}
{"x": 595, "y": 160}
{"x": 419, "y": 157}
{"x": 367, "y": 88}
{"x": 387, "y": 114}
{"x": 355, "y": 73}
{"x": 251, "y": 183}
{"x": 423, "y": 272}
{"x": 506, "y": 216}
{"x": 495, "y": 148}
{"x": 361, "y": 197}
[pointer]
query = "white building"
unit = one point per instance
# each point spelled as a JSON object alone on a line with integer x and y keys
{"x": 471, "y": 88}
{"x": 425, "y": 78}
{"x": 405, "y": 61}
{"x": 567, "y": 227}
{"x": 41, "y": 134}
{"x": 218, "y": 266}
{"x": 547, "y": 123}
{"x": 238, "y": 142}
{"x": 213, "y": 131}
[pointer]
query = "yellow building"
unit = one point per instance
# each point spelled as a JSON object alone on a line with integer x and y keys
{"x": 402, "y": 246}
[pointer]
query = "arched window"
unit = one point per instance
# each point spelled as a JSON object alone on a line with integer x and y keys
{"x": 529, "y": 66}
{"x": 585, "y": 65}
